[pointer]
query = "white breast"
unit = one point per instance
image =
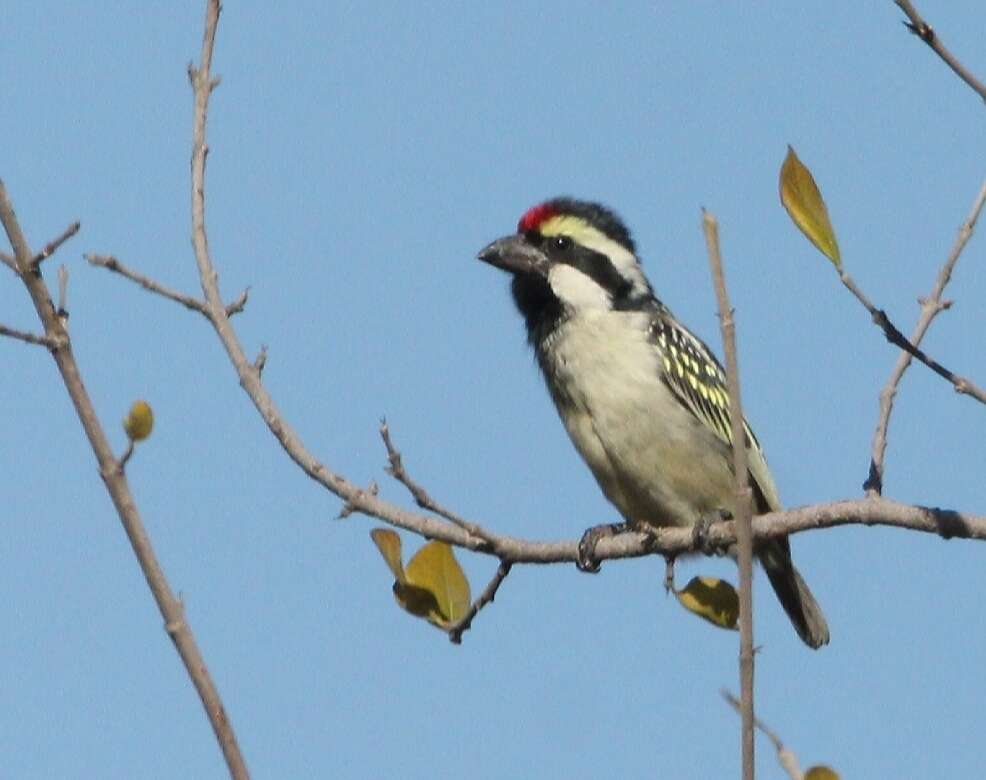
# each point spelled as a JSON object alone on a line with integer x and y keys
{"x": 650, "y": 455}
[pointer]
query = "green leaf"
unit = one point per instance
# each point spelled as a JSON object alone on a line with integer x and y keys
{"x": 821, "y": 773}
{"x": 389, "y": 545}
{"x": 713, "y": 599}
{"x": 434, "y": 569}
{"x": 804, "y": 203}
{"x": 432, "y": 586}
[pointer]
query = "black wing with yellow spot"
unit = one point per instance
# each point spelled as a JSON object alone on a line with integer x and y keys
{"x": 696, "y": 377}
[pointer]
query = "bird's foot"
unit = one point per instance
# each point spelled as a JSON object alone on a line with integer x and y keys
{"x": 700, "y": 531}
{"x": 669, "y": 573}
{"x": 587, "y": 560}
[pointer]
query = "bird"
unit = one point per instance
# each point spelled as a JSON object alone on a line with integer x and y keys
{"x": 643, "y": 399}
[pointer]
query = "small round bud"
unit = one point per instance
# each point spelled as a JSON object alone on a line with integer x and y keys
{"x": 139, "y": 422}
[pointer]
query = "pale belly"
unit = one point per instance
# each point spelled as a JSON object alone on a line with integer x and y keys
{"x": 652, "y": 458}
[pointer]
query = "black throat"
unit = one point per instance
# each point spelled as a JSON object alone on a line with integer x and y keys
{"x": 539, "y": 305}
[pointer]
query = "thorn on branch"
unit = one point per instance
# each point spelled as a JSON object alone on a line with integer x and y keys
{"x": 239, "y": 304}
{"x": 62, "y": 310}
{"x": 261, "y": 360}
{"x": 922, "y": 30}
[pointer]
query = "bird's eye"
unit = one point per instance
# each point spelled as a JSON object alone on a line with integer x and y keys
{"x": 561, "y": 243}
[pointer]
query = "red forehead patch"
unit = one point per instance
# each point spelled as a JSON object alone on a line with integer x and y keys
{"x": 535, "y": 217}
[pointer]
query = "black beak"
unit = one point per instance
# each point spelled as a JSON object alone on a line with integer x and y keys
{"x": 516, "y": 255}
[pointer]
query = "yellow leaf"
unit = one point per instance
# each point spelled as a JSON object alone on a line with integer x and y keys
{"x": 389, "y": 545}
{"x": 805, "y": 205}
{"x": 821, "y": 773}
{"x": 435, "y": 570}
{"x": 712, "y": 599}
{"x": 139, "y": 422}
{"x": 420, "y": 602}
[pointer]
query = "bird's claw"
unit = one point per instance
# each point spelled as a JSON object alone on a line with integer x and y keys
{"x": 587, "y": 560}
{"x": 700, "y": 531}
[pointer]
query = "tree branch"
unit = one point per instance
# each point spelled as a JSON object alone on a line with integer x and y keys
{"x": 110, "y": 263}
{"x": 926, "y": 33}
{"x": 895, "y": 337}
{"x": 119, "y": 490}
{"x": 785, "y": 757}
{"x": 930, "y": 308}
{"x": 29, "y": 338}
{"x": 743, "y": 510}
{"x": 52, "y": 246}
{"x": 8, "y": 260}
{"x": 486, "y": 597}
{"x": 418, "y": 493}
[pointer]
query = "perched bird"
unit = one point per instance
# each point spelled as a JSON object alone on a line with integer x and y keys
{"x": 642, "y": 398}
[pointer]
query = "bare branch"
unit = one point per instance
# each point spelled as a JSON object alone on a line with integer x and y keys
{"x": 119, "y": 491}
{"x": 930, "y": 307}
{"x": 926, "y": 33}
{"x": 743, "y": 511}
{"x": 52, "y": 246}
{"x": 785, "y": 757}
{"x": 895, "y": 337}
{"x": 28, "y": 338}
{"x": 486, "y": 597}
{"x": 419, "y": 494}
{"x": 8, "y": 260}
{"x": 110, "y": 263}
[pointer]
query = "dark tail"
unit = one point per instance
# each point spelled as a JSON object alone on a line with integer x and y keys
{"x": 793, "y": 593}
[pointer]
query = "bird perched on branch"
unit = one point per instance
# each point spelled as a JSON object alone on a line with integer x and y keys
{"x": 642, "y": 398}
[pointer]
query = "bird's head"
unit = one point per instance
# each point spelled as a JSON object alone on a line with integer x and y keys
{"x": 569, "y": 256}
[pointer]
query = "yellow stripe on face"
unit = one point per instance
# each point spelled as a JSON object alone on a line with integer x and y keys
{"x": 568, "y": 225}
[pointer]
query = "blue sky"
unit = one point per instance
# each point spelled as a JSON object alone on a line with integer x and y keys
{"x": 360, "y": 156}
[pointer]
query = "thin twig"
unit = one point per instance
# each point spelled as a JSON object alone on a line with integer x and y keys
{"x": 121, "y": 464}
{"x": 743, "y": 511}
{"x": 28, "y": 338}
{"x": 8, "y": 260}
{"x": 785, "y": 757}
{"x": 895, "y": 337}
{"x": 62, "y": 310}
{"x": 930, "y": 307}
{"x": 119, "y": 490}
{"x": 202, "y": 86}
{"x": 110, "y": 263}
{"x": 418, "y": 493}
{"x": 926, "y": 33}
{"x": 239, "y": 304}
{"x": 52, "y": 246}
{"x": 486, "y": 597}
